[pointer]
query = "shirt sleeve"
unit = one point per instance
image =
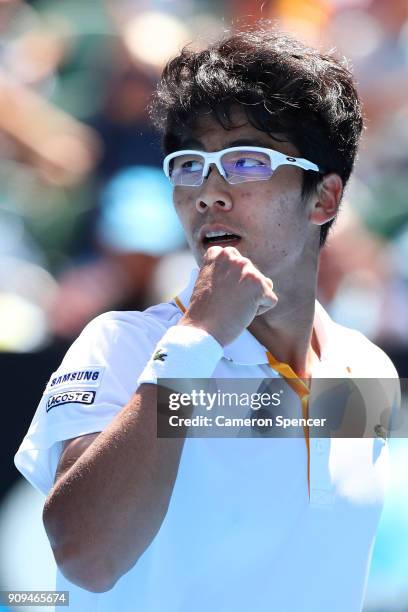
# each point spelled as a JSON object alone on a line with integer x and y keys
{"x": 95, "y": 380}
{"x": 385, "y": 389}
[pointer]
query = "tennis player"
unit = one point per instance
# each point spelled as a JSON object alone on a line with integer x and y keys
{"x": 260, "y": 134}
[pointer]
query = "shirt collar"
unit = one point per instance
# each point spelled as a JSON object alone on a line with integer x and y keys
{"x": 246, "y": 349}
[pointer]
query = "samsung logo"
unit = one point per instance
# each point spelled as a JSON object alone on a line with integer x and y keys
{"x": 91, "y": 377}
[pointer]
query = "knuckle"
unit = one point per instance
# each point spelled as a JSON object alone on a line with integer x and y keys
{"x": 249, "y": 271}
{"x": 212, "y": 252}
{"x": 245, "y": 263}
{"x": 250, "y": 274}
{"x": 231, "y": 250}
{"x": 231, "y": 254}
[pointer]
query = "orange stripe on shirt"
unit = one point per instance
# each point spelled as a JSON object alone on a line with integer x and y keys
{"x": 179, "y": 304}
{"x": 302, "y": 390}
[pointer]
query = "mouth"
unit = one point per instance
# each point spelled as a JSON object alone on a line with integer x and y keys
{"x": 220, "y": 238}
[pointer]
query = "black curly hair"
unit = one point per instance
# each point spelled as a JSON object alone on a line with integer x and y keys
{"x": 283, "y": 86}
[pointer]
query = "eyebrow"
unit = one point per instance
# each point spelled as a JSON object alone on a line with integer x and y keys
{"x": 250, "y": 142}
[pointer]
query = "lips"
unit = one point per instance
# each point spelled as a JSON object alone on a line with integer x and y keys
{"x": 220, "y": 235}
{"x": 229, "y": 240}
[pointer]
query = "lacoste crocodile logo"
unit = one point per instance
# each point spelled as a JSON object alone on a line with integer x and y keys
{"x": 159, "y": 355}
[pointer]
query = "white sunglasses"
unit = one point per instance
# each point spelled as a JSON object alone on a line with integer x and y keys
{"x": 236, "y": 164}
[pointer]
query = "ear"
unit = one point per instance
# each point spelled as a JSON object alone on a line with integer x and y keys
{"x": 325, "y": 202}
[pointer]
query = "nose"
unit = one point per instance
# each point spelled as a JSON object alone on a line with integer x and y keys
{"x": 214, "y": 192}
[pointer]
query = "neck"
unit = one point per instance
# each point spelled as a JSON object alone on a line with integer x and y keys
{"x": 287, "y": 330}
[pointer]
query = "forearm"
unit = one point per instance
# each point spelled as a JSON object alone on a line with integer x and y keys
{"x": 106, "y": 509}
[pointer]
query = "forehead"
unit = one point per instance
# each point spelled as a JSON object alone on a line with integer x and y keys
{"x": 209, "y": 134}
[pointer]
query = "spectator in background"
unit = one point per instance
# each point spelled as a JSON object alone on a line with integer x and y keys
{"x": 377, "y": 194}
{"x": 136, "y": 226}
{"x": 123, "y": 125}
{"x": 84, "y": 161}
{"x": 133, "y": 224}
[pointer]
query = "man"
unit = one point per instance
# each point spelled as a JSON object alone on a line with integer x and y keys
{"x": 260, "y": 134}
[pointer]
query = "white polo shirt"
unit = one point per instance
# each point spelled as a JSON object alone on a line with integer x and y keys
{"x": 242, "y": 532}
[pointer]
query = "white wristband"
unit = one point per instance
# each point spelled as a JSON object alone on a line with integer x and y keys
{"x": 183, "y": 352}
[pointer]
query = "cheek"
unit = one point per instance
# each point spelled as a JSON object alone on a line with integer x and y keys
{"x": 276, "y": 217}
{"x": 271, "y": 208}
{"x": 183, "y": 205}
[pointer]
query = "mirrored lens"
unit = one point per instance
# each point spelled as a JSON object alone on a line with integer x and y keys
{"x": 241, "y": 166}
{"x": 186, "y": 169}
